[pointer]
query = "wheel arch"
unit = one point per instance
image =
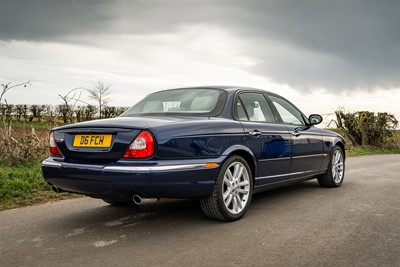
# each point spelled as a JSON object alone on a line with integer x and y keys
{"x": 342, "y": 146}
{"x": 245, "y": 153}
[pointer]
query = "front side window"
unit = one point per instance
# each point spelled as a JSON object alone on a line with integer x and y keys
{"x": 288, "y": 113}
{"x": 253, "y": 107}
{"x": 191, "y": 101}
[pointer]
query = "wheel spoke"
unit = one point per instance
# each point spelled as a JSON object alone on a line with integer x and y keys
{"x": 238, "y": 171}
{"x": 335, "y": 175}
{"x": 235, "y": 204}
{"x": 227, "y": 182}
{"x": 243, "y": 191}
{"x": 243, "y": 183}
{"x": 227, "y": 193}
{"x": 228, "y": 174}
{"x": 228, "y": 201}
{"x": 239, "y": 203}
{"x": 338, "y": 156}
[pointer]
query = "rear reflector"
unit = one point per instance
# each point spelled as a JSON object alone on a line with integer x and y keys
{"x": 141, "y": 147}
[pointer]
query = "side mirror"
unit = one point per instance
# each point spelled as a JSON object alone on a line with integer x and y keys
{"x": 315, "y": 119}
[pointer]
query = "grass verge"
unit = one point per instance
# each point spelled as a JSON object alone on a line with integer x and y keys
{"x": 368, "y": 150}
{"x": 23, "y": 186}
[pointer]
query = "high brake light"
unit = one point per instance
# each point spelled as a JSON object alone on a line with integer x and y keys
{"x": 53, "y": 146}
{"x": 141, "y": 147}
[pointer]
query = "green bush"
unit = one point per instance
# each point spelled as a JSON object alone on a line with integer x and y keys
{"x": 367, "y": 128}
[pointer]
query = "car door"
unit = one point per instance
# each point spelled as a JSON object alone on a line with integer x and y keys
{"x": 269, "y": 140}
{"x": 306, "y": 141}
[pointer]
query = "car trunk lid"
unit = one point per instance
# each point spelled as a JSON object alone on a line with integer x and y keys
{"x": 94, "y": 145}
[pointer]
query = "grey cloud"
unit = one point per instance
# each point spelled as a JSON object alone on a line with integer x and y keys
{"x": 333, "y": 44}
{"x": 52, "y": 20}
{"x": 338, "y": 45}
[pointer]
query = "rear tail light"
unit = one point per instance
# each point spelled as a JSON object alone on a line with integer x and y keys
{"x": 53, "y": 146}
{"x": 141, "y": 147}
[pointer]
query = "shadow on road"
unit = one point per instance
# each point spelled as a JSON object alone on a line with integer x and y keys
{"x": 166, "y": 212}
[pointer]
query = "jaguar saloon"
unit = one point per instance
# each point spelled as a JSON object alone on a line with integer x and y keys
{"x": 217, "y": 144}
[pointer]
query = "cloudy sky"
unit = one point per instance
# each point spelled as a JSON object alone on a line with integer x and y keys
{"x": 320, "y": 54}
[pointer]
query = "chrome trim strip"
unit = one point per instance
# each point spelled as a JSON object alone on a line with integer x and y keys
{"x": 272, "y": 159}
{"x": 279, "y": 182}
{"x": 155, "y": 168}
{"x": 308, "y": 156}
{"x": 296, "y": 173}
{"x": 51, "y": 164}
{"x": 286, "y": 174}
{"x": 297, "y": 157}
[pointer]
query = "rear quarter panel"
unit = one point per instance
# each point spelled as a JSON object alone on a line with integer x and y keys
{"x": 197, "y": 139}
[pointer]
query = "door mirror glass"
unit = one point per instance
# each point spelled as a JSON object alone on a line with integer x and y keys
{"x": 315, "y": 119}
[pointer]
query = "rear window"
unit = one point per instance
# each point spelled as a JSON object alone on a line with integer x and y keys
{"x": 193, "y": 101}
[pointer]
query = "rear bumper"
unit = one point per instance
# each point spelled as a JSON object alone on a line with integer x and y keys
{"x": 164, "y": 179}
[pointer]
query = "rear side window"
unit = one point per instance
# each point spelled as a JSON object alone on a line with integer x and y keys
{"x": 253, "y": 107}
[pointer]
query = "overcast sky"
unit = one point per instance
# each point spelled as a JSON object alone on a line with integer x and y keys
{"x": 319, "y": 54}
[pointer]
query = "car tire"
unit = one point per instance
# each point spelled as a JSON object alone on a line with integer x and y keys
{"x": 119, "y": 203}
{"x": 335, "y": 173}
{"x": 232, "y": 192}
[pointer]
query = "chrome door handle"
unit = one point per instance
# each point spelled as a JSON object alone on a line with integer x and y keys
{"x": 295, "y": 133}
{"x": 255, "y": 133}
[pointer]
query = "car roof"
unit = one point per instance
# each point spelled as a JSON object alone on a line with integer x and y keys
{"x": 224, "y": 87}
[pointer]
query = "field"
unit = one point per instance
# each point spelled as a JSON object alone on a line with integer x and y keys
{"x": 24, "y": 145}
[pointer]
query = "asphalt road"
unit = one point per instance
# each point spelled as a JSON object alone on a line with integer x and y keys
{"x": 357, "y": 224}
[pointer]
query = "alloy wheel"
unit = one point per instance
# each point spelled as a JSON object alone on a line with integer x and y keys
{"x": 236, "y": 187}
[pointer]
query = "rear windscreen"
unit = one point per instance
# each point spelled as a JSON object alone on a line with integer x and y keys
{"x": 192, "y": 101}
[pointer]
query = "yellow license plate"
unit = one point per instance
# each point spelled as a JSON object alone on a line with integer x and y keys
{"x": 92, "y": 140}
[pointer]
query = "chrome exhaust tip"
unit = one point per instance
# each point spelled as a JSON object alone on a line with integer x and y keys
{"x": 55, "y": 189}
{"x": 137, "y": 199}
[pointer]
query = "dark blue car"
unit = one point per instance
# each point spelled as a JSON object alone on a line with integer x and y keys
{"x": 218, "y": 144}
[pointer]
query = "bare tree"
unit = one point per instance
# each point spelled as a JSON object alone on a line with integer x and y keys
{"x": 8, "y": 86}
{"x": 100, "y": 93}
{"x": 5, "y": 87}
{"x": 69, "y": 101}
